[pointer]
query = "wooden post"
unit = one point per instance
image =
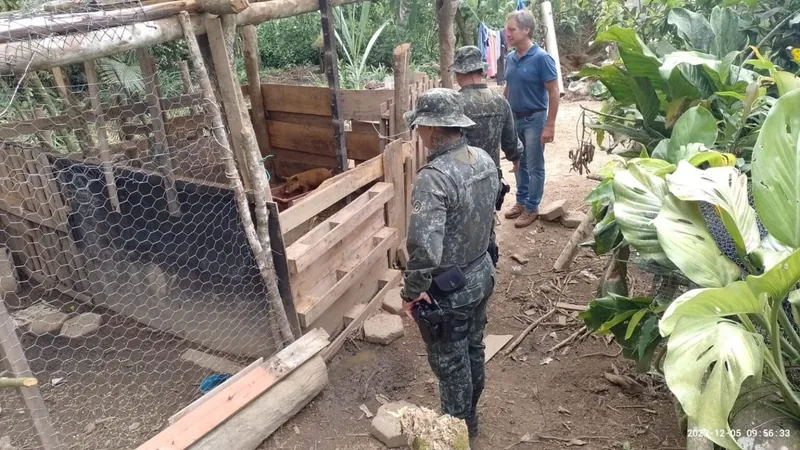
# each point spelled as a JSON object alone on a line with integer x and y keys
{"x": 84, "y": 137}
{"x": 252, "y": 64}
{"x": 102, "y": 138}
{"x": 11, "y": 352}
{"x": 402, "y": 102}
{"x": 332, "y": 72}
{"x": 259, "y": 244}
{"x": 571, "y": 249}
{"x": 160, "y": 147}
{"x": 188, "y": 86}
{"x": 445, "y": 16}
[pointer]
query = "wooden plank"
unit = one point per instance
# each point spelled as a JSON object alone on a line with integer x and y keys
{"x": 60, "y": 287}
{"x": 356, "y": 126}
{"x": 210, "y": 362}
{"x": 335, "y": 189}
{"x": 494, "y": 343}
{"x": 13, "y": 205}
{"x": 393, "y": 158}
{"x": 311, "y": 310}
{"x": 249, "y": 428}
{"x": 309, "y": 248}
{"x": 308, "y": 282}
{"x": 292, "y": 136}
{"x": 289, "y": 162}
{"x": 571, "y": 307}
{"x": 363, "y": 105}
{"x": 282, "y": 267}
{"x": 228, "y": 401}
{"x": 192, "y": 406}
{"x": 11, "y": 351}
{"x": 401, "y": 58}
{"x": 389, "y": 281}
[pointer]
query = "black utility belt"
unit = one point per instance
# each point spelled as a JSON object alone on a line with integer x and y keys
{"x": 524, "y": 114}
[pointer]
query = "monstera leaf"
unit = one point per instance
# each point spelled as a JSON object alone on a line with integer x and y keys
{"x": 686, "y": 241}
{"x": 725, "y": 188}
{"x": 707, "y": 361}
{"x": 728, "y": 35}
{"x": 779, "y": 280}
{"x": 776, "y": 170}
{"x": 693, "y": 28}
{"x": 638, "y": 195}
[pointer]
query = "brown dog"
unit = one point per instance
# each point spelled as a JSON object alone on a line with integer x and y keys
{"x": 307, "y": 181}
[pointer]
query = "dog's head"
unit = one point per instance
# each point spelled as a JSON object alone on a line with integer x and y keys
{"x": 292, "y": 184}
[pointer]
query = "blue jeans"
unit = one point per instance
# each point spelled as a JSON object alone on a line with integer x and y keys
{"x": 530, "y": 175}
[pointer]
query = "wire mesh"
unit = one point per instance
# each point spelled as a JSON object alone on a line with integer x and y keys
{"x": 119, "y": 303}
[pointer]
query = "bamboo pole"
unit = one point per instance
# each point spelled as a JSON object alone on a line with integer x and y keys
{"x": 251, "y": 65}
{"x": 160, "y": 147}
{"x": 9, "y": 383}
{"x": 261, "y": 254}
{"x": 332, "y": 73}
{"x": 56, "y": 51}
{"x": 105, "y": 153}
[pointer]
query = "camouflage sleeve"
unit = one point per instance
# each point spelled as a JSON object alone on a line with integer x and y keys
{"x": 429, "y": 199}
{"x": 510, "y": 143}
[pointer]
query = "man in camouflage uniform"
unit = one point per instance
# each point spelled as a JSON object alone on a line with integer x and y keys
{"x": 452, "y": 217}
{"x": 492, "y": 113}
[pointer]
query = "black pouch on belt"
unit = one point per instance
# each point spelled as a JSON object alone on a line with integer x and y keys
{"x": 436, "y": 324}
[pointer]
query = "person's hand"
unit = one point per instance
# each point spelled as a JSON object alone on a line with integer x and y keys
{"x": 407, "y": 306}
{"x": 515, "y": 166}
{"x": 548, "y": 134}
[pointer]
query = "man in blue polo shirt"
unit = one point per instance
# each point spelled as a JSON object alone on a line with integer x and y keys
{"x": 532, "y": 90}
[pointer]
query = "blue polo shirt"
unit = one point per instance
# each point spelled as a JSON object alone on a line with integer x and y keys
{"x": 526, "y": 77}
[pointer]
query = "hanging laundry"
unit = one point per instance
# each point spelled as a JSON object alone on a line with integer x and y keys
{"x": 483, "y": 39}
{"x": 491, "y": 59}
{"x": 501, "y": 60}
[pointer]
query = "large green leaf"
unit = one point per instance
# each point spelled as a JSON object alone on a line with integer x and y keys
{"x": 728, "y": 34}
{"x": 707, "y": 361}
{"x": 639, "y": 60}
{"x": 786, "y": 82}
{"x": 637, "y": 201}
{"x": 710, "y": 303}
{"x": 695, "y": 126}
{"x": 693, "y": 28}
{"x": 655, "y": 166}
{"x": 685, "y": 239}
{"x": 679, "y": 86}
{"x": 615, "y": 80}
{"x": 776, "y": 170}
{"x": 778, "y": 280}
{"x": 726, "y": 188}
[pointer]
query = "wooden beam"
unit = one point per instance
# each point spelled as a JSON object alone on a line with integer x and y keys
{"x": 333, "y": 190}
{"x": 201, "y": 420}
{"x": 220, "y": 7}
{"x": 160, "y": 148}
{"x": 102, "y": 137}
{"x": 282, "y": 268}
{"x": 402, "y": 94}
{"x": 11, "y": 351}
{"x": 389, "y": 281}
{"x": 55, "y": 51}
{"x": 332, "y": 73}
{"x": 252, "y": 64}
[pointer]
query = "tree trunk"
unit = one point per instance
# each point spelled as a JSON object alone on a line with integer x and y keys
{"x": 464, "y": 33}
{"x": 445, "y": 15}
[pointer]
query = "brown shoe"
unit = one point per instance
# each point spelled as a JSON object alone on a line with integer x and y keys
{"x": 515, "y": 212}
{"x": 526, "y": 218}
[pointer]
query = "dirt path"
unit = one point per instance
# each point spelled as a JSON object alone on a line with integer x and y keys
{"x": 529, "y": 394}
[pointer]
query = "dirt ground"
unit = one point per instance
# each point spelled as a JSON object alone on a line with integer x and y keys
{"x": 533, "y": 399}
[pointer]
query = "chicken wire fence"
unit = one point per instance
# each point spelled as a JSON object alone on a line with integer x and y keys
{"x": 130, "y": 285}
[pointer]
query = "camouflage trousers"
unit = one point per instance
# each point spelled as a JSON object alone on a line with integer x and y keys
{"x": 460, "y": 365}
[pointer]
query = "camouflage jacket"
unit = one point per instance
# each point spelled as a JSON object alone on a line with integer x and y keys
{"x": 452, "y": 215}
{"x": 495, "y": 122}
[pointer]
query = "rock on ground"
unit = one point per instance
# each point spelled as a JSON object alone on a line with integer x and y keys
{"x": 81, "y": 325}
{"x": 392, "y": 302}
{"x": 572, "y": 219}
{"x": 50, "y": 323}
{"x": 383, "y": 329}
{"x": 552, "y": 211}
{"x": 8, "y": 273}
{"x": 387, "y": 428}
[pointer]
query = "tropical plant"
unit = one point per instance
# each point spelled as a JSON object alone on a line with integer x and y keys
{"x": 741, "y": 254}
{"x": 351, "y": 35}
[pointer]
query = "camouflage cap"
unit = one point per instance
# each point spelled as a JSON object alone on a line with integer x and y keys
{"x": 468, "y": 59}
{"x": 439, "y": 107}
